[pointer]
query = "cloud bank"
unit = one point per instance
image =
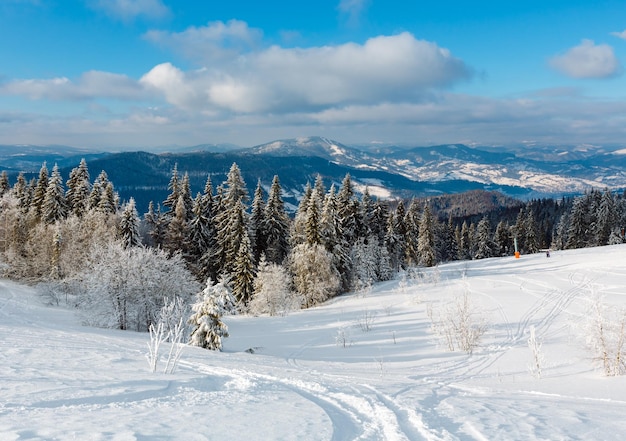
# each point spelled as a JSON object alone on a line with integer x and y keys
{"x": 384, "y": 69}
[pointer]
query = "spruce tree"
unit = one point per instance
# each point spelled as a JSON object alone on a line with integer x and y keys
{"x": 129, "y": 225}
{"x": 78, "y": 189}
{"x": 426, "y": 239}
{"x": 211, "y": 304}
{"x": 5, "y": 187}
{"x": 276, "y": 225}
{"x": 243, "y": 273}
{"x": 107, "y": 203}
{"x": 177, "y": 235}
{"x": 607, "y": 218}
{"x": 174, "y": 191}
{"x": 312, "y": 227}
{"x": 411, "y": 236}
{"x": 485, "y": 244}
{"x": 298, "y": 234}
{"x": 579, "y": 225}
{"x": 157, "y": 225}
{"x": 40, "y": 192}
{"x": 502, "y": 238}
{"x": 231, "y": 219}
{"x": 54, "y": 206}
{"x": 258, "y": 237}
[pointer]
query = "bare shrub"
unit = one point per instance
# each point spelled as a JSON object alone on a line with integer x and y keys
{"x": 605, "y": 332}
{"x": 536, "y": 366}
{"x": 458, "y": 324}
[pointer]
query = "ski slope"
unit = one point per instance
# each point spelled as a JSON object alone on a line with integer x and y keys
{"x": 366, "y": 366}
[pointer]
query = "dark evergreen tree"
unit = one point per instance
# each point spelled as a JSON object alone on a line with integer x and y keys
{"x": 5, "y": 187}
{"x": 177, "y": 236}
{"x": 465, "y": 242}
{"x": 485, "y": 245}
{"x": 298, "y": 234}
{"x": 578, "y": 231}
{"x": 185, "y": 193}
{"x": 276, "y": 225}
{"x": 174, "y": 191}
{"x": 231, "y": 219}
{"x": 157, "y": 225}
{"x": 502, "y": 239}
{"x": 243, "y": 272}
{"x": 426, "y": 239}
{"x": 411, "y": 235}
{"x": 312, "y": 227}
{"x": 40, "y": 192}
{"x": 257, "y": 233}
{"x": 607, "y": 218}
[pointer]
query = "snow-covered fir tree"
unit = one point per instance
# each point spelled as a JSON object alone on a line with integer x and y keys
{"x": 208, "y": 329}
{"x": 108, "y": 200}
{"x": 78, "y": 189}
{"x": 129, "y": 225}
{"x": 54, "y": 206}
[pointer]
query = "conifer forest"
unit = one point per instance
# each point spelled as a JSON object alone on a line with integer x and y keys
{"x": 225, "y": 251}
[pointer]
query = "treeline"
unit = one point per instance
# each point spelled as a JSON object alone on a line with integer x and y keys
{"x": 337, "y": 240}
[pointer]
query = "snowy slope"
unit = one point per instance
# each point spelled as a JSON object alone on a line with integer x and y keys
{"x": 395, "y": 381}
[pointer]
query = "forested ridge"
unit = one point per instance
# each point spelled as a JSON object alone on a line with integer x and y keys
{"x": 119, "y": 268}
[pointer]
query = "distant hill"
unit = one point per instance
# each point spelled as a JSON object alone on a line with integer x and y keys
{"x": 388, "y": 172}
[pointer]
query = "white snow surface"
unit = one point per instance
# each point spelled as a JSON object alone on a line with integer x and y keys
{"x": 63, "y": 381}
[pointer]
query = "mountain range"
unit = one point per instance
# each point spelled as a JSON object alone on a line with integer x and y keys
{"x": 521, "y": 172}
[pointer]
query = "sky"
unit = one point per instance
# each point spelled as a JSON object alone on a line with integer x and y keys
{"x": 129, "y": 74}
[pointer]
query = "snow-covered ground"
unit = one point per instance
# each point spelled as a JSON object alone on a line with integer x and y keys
{"x": 366, "y": 366}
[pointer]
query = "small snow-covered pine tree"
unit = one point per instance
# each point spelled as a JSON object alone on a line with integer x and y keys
{"x": 211, "y": 304}
{"x": 129, "y": 225}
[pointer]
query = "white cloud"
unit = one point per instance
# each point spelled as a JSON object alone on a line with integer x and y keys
{"x": 387, "y": 68}
{"x": 621, "y": 35}
{"x": 91, "y": 85}
{"x": 127, "y": 10}
{"x": 587, "y": 60}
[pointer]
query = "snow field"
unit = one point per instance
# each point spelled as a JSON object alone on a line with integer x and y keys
{"x": 365, "y": 366}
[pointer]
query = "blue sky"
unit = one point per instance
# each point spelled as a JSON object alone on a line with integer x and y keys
{"x": 127, "y": 74}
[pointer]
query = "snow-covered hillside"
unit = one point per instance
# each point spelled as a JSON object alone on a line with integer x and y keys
{"x": 366, "y": 366}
